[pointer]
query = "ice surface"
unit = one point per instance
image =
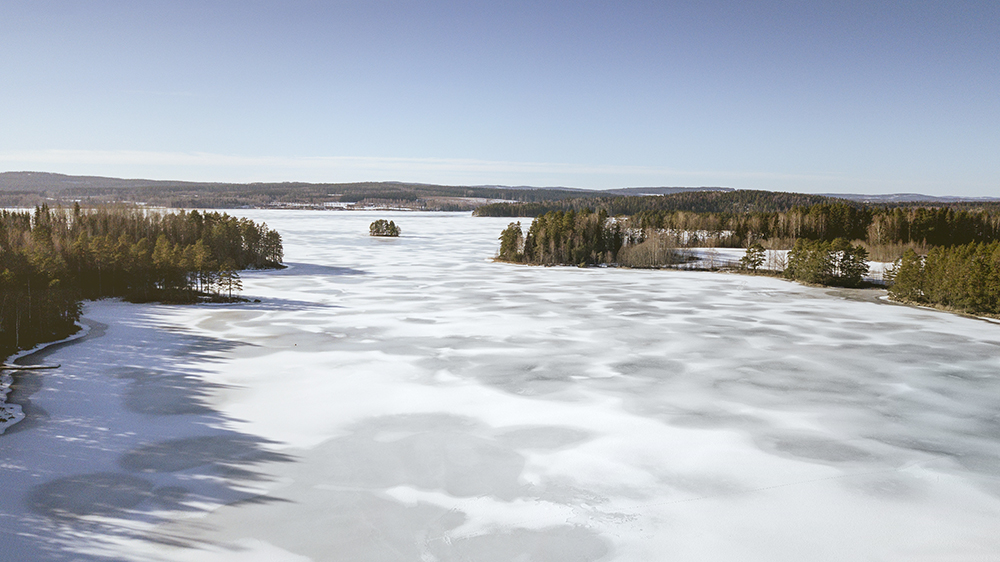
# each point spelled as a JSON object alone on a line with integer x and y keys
{"x": 408, "y": 399}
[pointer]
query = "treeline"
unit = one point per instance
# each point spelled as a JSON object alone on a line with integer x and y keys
{"x": 51, "y": 258}
{"x": 965, "y": 278}
{"x": 822, "y": 221}
{"x": 588, "y": 238}
{"x": 227, "y": 196}
{"x": 731, "y": 202}
{"x": 579, "y": 238}
{"x": 826, "y": 221}
{"x": 891, "y": 230}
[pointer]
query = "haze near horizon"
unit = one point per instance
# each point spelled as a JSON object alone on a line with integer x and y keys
{"x": 835, "y": 98}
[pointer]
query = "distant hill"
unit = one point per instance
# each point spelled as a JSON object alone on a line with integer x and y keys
{"x": 32, "y": 188}
{"x": 907, "y": 198}
{"x": 51, "y": 182}
{"x": 45, "y": 181}
{"x": 639, "y": 191}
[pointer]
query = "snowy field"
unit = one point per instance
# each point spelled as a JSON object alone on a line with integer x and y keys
{"x": 407, "y": 399}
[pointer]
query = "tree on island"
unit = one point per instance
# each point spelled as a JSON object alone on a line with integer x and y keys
{"x": 382, "y": 227}
{"x": 229, "y": 279}
{"x": 512, "y": 243}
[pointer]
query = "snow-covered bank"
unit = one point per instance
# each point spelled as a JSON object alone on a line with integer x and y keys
{"x": 11, "y": 413}
{"x": 408, "y": 399}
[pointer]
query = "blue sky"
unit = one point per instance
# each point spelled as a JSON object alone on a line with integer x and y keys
{"x": 870, "y": 97}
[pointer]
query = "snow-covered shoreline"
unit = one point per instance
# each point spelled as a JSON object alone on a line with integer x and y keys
{"x": 11, "y": 414}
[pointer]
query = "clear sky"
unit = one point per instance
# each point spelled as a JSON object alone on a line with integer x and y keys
{"x": 813, "y": 96}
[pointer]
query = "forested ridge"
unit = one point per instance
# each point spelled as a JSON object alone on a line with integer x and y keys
{"x": 52, "y": 258}
{"x": 733, "y": 202}
{"x": 33, "y": 188}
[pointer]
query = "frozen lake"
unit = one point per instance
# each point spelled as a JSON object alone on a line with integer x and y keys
{"x": 407, "y": 399}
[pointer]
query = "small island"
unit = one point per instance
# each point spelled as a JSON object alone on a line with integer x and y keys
{"x": 382, "y": 227}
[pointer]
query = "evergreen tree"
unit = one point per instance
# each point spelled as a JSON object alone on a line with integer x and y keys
{"x": 229, "y": 279}
{"x": 906, "y": 278}
{"x": 753, "y": 258}
{"x": 512, "y": 243}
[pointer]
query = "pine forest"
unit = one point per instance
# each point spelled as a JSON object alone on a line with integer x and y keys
{"x": 50, "y": 259}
